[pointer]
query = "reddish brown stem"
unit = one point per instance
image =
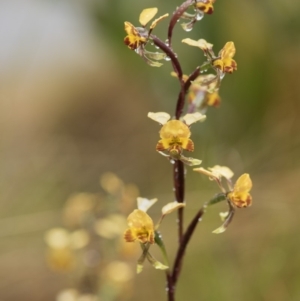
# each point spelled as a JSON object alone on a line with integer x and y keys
{"x": 184, "y": 242}
{"x": 179, "y": 194}
{"x": 176, "y": 16}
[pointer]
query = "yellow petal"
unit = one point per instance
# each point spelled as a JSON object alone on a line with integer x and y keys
{"x": 170, "y": 207}
{"x": 130, "y": 29}
{"x": 243, "y": 183}
{"x": 147, "y": 14}
{"x": 139, "y": 219}
{"x": 141, "y": 227}
{"x": 206, "y": 7}
{"x": 154, "y": 23}
{"x": 175, "y": 128}
{"x": 160, "y": 117}
{"x": 228, "y": 50}
{"x": 144, "y": 204}
{"x": 202, "y": 44}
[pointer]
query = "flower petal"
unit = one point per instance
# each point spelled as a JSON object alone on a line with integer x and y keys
{"x": 228, "y": 51}
{"x": 154, "y": 23}
{"x": 190, "y": 161}
{"x": 243, "y": 183}
{"x": 222, "y": 171}
{"x": 193, "y": 117}
{"x": 147, "y": 14}
{"x": 144, "y": 204}
{"x": 170, "y": 207}
{"x": 202, "y": 44}
{"x": 160, "y": 117}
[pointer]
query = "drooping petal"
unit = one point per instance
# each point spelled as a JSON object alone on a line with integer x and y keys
{"x": 170, "y": 207}
{"x": 147, "y": 14}
{"x": 190, "y": 161}
{"x": 155, "y": 55}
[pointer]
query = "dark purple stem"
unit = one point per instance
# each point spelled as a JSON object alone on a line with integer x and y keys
{"x": 169, "y": 52}
{"x": 184, "y": 242}
{"x": 176, "y": 16}
{"x": 179, "y": 194}
{"x": 170, "y": 287}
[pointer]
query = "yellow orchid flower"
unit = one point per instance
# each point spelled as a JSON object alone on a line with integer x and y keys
{"x": 175, "y": 134}
{"x": 134, "y": 38}
{"x": 225, "y": 62}
{"x": 240, "y": 195}
{"x": 141, "y": 227}
{"x": 205, "y": 6}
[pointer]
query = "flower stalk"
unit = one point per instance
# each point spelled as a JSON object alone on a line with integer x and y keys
{"x": 197, "y": 92}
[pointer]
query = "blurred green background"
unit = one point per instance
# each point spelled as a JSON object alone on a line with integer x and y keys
{"x": 73, "y": 105}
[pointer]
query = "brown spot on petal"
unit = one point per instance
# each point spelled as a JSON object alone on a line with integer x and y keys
{"x": 128, "y": 236}
{"x": 189, "y": 146}
{"x": 159, "y": 146}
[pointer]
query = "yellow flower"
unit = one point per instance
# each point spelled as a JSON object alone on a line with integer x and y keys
{"x": 174, "y": 137}
{"x": 141, "y": 227}
{"x": 213, "y": 99}
{"x": 175, "y": 134}
{"x": 225, "y": 62}
{"x": 205, "y": 6}
{"x": 138, "y": 36}
{"x": 134, "y": 38}
{"x": 240, "y": 195}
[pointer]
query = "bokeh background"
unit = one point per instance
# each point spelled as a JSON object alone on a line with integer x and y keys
{"x": 73, "y": 105}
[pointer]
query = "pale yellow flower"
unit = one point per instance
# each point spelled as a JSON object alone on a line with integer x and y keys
{"x": 141, "y": 227}
{"x": 225, "y": 62}
{"x": 134, "y": 38}
{"x": 240, "y": 195}
{"x": 137, "y": 36}
{"x": 175, "y": 134}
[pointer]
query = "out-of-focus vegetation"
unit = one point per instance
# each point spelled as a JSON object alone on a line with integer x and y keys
{"x": 73, "y": 105}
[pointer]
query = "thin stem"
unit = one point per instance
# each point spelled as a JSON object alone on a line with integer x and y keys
{"x": 176, "y": 16}
{"x": 179, "y": 194}
{"x": 170, "y": 287}
{"x": 169, "y": 52}
{"x": 184, "y": 242}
